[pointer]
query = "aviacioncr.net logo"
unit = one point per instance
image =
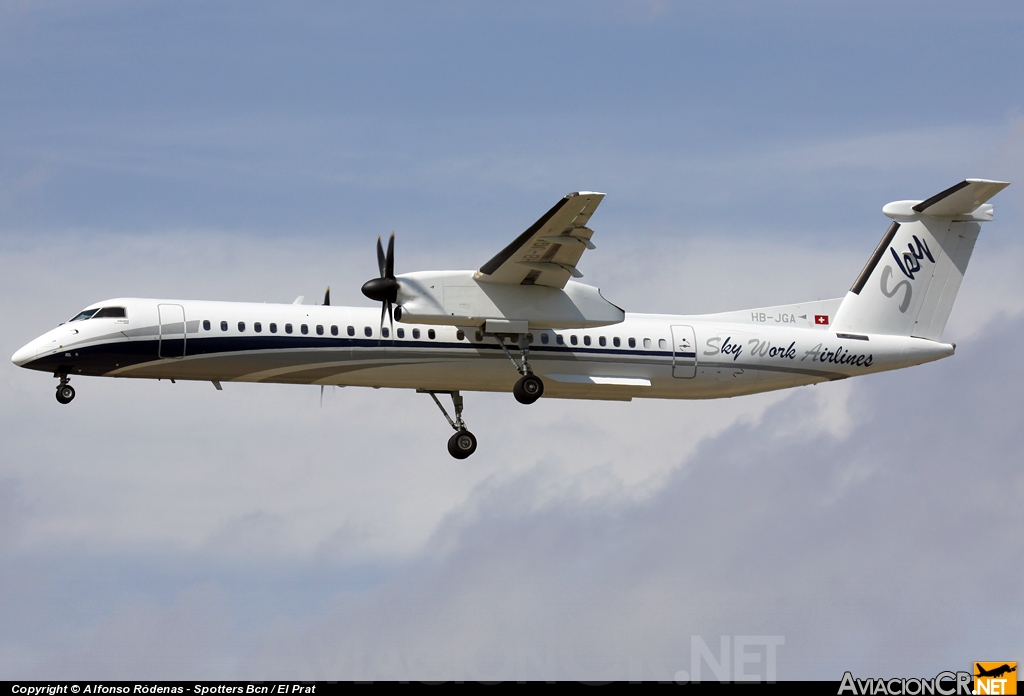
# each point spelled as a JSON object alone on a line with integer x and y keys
{"x": 943, "y": 684}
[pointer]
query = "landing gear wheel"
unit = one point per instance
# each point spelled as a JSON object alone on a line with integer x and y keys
{"x": 528, "y": 389}
{"x": 65, "y": 393}
{"x": 462, "y": 444}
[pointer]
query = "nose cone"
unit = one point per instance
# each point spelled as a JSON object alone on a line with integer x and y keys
{"x": 381, "y": 289}
{"x": 24, "y": 355}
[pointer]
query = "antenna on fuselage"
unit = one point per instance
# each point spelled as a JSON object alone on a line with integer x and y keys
{"x": 327, "y": 297}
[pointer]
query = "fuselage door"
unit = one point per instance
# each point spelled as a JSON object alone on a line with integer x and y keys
{"x": 172, "y": 331}
{"x": 684, "y": 352}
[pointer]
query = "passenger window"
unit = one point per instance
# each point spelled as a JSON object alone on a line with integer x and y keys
{"x": 559, "y": 339}
{"x": 431, "y": 335}
{"x": 401, "y": 333}
{"x": 241, "y": 326}
{"x": 367, "y": 331}
{"x": 573, "y": 340}
{"x": 334, "y": 330}
{"x": 586, "y": 340}
{"x": 616, "y": 342}
{"x": 304, "y": 329}
{"x": 223, "y": 326}
{"x": 632, "y": 343}
{"x": 544, "y": 338}
{"x": 662, "y": 343}
{"x": 287, "y": 328}
{"x": 206, "y": 324}
{"x": 110, "y": 313}
{"x": 415, "y": 333}
{"x": 460, "y": 335}
{"x": 273, "y": 328}
{"x": 602, "y": 341}
{"x": 257, "y": 327}
{"x": 648, "y": 344}
{"x": 351, "y": 331}
{"x": 384, "y": 331}
{"x": 319, "y": 329}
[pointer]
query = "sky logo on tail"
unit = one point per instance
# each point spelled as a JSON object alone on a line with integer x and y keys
{"x": 911, "y": 262}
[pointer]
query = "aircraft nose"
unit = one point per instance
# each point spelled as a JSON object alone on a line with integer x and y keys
{"x": 24, "y": 354}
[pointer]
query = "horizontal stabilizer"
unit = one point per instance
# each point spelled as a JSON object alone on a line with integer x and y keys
{"x": 964, "y": 201}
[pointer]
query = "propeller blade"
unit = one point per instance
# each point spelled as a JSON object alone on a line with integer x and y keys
{"x": 385, "y": 288}
{"x": 389, "y": 263}
{"x": 327, "y": 297}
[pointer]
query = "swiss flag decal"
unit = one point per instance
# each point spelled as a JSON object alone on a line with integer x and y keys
{"x": 821, "y": 319}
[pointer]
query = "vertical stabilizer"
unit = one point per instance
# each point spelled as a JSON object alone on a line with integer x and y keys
{"x": 908, "y": 286}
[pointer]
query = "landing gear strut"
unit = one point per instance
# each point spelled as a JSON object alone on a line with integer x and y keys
{"x": 65, "y": 392}
{"x": 462, "y": 443}
{"x": 530, "y": 387}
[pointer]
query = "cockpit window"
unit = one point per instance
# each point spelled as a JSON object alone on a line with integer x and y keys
{"x": 85, "y": 315}
{"x": 111, "y": 313}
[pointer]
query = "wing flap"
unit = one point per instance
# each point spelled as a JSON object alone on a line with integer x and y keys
{"x": 599, "y": 379}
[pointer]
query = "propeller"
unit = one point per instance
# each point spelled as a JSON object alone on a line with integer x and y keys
{"x": 385, "y": 288}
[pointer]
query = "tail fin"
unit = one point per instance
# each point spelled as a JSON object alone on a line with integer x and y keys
{"x": 908, "y": 286}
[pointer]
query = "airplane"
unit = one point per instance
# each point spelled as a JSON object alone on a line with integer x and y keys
{"x": 995, "y": 672}
{"x": 523, "y": 323}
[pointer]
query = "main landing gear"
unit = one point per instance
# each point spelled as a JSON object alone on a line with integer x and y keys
{"x": 65, "y": 392}
{"x": 529, "y": 388}
{"x": 462, "y": 443}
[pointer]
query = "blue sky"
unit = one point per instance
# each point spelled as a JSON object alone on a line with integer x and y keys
{"x": 264, "y": 117}
{"x": 253, "y": 151}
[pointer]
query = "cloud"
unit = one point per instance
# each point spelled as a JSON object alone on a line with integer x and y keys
{"x": 141, "y": 640}
{"x": 12, "y": 510}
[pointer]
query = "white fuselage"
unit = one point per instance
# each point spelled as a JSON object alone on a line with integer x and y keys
{"x": 646, "y": 355}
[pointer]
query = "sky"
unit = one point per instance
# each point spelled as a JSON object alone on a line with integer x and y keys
{"x": 254, "y": 151}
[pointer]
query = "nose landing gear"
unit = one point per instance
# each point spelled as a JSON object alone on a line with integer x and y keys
{"x": 65, "y": 392}
{"x": 462, "y": 443}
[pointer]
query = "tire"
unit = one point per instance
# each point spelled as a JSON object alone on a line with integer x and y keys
{"x": 462, "y": 444}
{"x": 65, "y": 393}
{"x": 528, "y": 389}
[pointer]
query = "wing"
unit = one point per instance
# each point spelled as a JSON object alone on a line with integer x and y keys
{"x": 547, "y": 253}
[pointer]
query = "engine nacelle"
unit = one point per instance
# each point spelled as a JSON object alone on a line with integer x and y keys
{"x": 456, "y": 298}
